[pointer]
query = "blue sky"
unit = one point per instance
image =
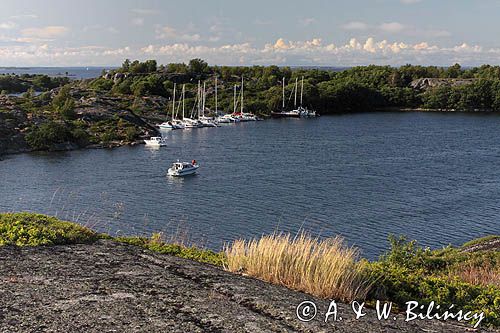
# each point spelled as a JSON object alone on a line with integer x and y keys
{"x": 315, "y": 32}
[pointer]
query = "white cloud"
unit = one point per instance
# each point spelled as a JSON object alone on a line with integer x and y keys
{"x": 7, "y": 25}
{"x": 167, "y": 32}
{"x": 355, "y": 25}
{"x": 23, "y": 16}
{"x": 48, "y": 32}
{"x": 392, "y": 27}
{"x": 281, "y": 52}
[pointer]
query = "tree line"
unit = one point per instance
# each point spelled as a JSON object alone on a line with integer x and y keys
{"x": 362, "y": 88}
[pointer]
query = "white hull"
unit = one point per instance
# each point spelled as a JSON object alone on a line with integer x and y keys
{"x": 182, "y": 172}
{"x": 155, "y": 142}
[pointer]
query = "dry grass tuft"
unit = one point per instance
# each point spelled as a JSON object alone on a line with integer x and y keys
{"x": 485, "y": 275}
{"x": 324, "y": 268}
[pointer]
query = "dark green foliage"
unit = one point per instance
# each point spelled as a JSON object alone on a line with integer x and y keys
{"x": 409, "y": 272}
{"x": 101, "y": 84}
{"x": 362, "y": 88}
{"x": 48, "y": 134}
{"x": 37, "y": 82}
{"x": 28, "y": 229}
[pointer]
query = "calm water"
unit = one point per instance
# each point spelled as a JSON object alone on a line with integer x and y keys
{"x": 432, "y": 177}
{"x": 71, "y": 72}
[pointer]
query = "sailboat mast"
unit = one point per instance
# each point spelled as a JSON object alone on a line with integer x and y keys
{"x": 283, "y": 92}
{"x": 301, "y": 90}
{"x": 296, "y": 84}
{"x": 241, "y": 95}
{"x": 183, "y": 99}
{"x": 173, "y": 103}
{"x": 199, "y": 97}
{"x": 234, "y": 99}
{"x": 204, "y": 98}
{"x": 216, "y": 96}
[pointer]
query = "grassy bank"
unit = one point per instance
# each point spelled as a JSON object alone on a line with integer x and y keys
{"x": 466, "y": 276}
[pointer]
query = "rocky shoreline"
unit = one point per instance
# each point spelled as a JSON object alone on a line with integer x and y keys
{"x": 113, "y": 287}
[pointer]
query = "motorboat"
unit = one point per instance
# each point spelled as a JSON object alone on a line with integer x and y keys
{"x": 181, "y": 169}
{"x": 156, "y": 141}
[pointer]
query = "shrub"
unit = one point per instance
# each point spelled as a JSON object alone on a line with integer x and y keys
{"x": 48, "y": 134}
{"x": 27, "y": 229}
{"x": 448, "y": 276}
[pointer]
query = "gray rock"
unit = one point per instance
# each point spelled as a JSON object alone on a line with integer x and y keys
{"x": 112, "y": 287}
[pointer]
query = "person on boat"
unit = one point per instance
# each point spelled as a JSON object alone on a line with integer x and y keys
{"x": 193, "y": 162}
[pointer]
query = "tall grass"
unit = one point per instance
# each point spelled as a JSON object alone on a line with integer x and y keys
{"x": 325, "y": 268}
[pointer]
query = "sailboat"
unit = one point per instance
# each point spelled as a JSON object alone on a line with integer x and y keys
{"x": 180, "y": 122}
{"x": 221, "y": 119}
{"x": 242, "y": 116}
{"x": 191, "y": 122}
{"x": 297, "y": 112}
{"x": 169, "y": 125}
{"x": 205, "y": 121}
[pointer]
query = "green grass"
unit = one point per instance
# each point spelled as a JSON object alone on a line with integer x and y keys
{"x": 481, "y": 240}
{"x": 156, "y": 244}
{"x": 28, "y": 229}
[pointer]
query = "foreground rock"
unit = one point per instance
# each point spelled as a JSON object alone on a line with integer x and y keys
{"x": 112, "y": 287}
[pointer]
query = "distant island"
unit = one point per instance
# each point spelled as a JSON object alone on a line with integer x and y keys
{"x": 38, "y": 112}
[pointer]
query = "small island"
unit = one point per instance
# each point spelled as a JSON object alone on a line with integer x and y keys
{"x": 124, "y": 105}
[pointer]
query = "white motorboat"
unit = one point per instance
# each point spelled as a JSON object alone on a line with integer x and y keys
{"x": 156, "y": 141}
{"x": 181, "y": 169}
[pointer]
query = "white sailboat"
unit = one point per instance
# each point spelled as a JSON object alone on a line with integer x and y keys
{"x": 169, "y": 125}
{"x": 245, "y": 116}
{"x": 180, "y": 122}
{"x": 297, "y": 112}
{"x": 191, "y": 122}
{"x": 221, "y": 119}
{"x": 205, "y": 121}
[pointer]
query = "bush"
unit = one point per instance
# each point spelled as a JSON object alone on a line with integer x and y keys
{"x": 48, "y": 134}
{"x": 27, "y": 229}
{"x": 408, "y": 272}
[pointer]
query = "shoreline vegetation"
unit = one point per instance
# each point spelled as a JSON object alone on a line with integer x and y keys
{"x": 467, "y": 276}
{"x": 124, "y": 105}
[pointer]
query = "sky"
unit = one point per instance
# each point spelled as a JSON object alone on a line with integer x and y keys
{"x": 252, "y": 32}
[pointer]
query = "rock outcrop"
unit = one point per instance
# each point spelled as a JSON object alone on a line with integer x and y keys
{"x": 113, "y": 287}
{"x": 426, "y": 83}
